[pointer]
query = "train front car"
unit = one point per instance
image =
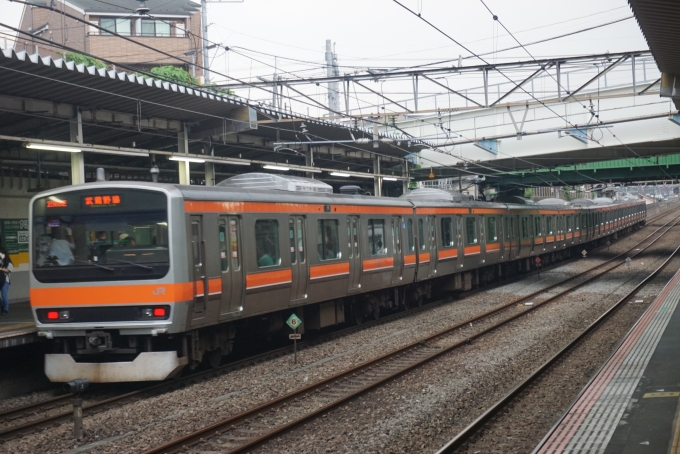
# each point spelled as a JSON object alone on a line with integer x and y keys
{"x": 105, "y": 286}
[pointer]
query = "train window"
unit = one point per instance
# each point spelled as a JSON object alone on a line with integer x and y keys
{"x": 267, "y": 243}
{"x": 447, "y": 232}
{"x": 349, "y": 238}
{"x": 291, "y": 237}
{"x": 355, "y": 236}
{"x": 327, "y": 240}
{"x": 224, "y": 251}
{"x": 196, "y": 242}
{"x": 300, "y": 240}
{"x": 376, "y": 237}
{"x": 537, "y": 226}
{"x": 568, "y": 224}
{"x": 471, "y": 231}
{"x": 421, "y": 235}
{"x": 433, "y": 233}
{"x": 505, "y": 228}
{"x": 409, "y": 232}
{"x": 525, "y": 227}
{"x": 233, "y": 239}
{"x": 549, "y": 225}
{"x": 491, "y": 234}
{"x": 396, "y": 238}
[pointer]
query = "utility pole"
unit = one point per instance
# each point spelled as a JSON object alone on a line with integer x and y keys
{"x": 204, "y": 24}
{"x": 332, "y": 71}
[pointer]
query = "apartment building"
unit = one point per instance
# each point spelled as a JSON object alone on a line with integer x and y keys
{"x": 171, "y": 26}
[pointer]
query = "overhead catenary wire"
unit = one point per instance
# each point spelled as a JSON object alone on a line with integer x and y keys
{"x": 186, "y": 62}
{"x": 496, "y": 19}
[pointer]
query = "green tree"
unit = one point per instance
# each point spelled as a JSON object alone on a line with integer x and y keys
{"x": 80, "y": 59}
{"x": 529, "y": 193}
{"x": 174, "y": 74}
{"x": 567, "y": 194}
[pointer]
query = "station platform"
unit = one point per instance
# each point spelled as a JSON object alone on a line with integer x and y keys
{"x": 632, "y": 406}
{"x": 18, "y": 327}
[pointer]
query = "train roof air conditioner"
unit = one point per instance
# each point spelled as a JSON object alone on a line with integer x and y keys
{"x": 269, "y": 181}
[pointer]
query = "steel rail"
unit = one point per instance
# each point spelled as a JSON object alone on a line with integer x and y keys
{"x": 11, "y": 432}
{"x": 256, "y": 418}
{"x": 478, "y": 423}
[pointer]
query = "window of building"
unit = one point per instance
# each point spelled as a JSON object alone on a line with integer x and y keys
{"x": 447, "y": 232}
{"x": 267, "y": 243}
{"x": 327, "y": 239}
{"x": 491, "y": 234}
{"x": 471, "y": 231}
{"x": 409, "y": 231}
{"x": 152, "y": 27}
{"x": 376, "y": 237}
{"x": 117, "y": 25}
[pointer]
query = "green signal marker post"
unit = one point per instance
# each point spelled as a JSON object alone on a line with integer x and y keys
{"x": 294, "y": 322}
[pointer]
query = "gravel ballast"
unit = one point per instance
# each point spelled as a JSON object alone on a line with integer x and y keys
{"x": 407, "y": 413}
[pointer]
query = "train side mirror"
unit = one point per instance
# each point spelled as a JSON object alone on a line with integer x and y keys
{"x": 77, "y": 386}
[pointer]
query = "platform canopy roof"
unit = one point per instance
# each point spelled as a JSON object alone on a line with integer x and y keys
{"x": 41, "y": 97}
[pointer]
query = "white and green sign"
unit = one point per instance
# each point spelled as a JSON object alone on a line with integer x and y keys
{"x": 294, "y": 322}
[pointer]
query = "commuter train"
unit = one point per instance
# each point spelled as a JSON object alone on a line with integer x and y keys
{"x": 136, "y": 281}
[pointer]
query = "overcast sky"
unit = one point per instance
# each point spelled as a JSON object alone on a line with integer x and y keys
{"x": 380, "y": 33}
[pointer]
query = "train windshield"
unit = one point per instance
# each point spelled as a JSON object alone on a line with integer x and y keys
{"x": 100, "y": 235}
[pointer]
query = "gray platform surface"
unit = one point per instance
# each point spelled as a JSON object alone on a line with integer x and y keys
{"x": 632, "y": 405}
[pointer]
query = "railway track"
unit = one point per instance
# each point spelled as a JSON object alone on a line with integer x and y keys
{"x": 54, "y": 411}
{"x": 480, "y": 423}
{"x": 264, "y": 422}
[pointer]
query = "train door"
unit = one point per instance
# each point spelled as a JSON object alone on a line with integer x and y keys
{"x": 397, "y": 271}
{"x": 200, "y": 275}
{"x": 482, "y": 239}
{"x": 459, "y": 240}
{"x": 353, "y": 253}
{"x": 432, "y": 245}
{"x": 298, "y": 257}
{"x": 230, "y": 261}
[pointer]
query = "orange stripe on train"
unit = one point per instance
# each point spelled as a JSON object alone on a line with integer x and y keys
{"x": 410, "y": 259}
{"x": 470, "y": 250}
{"x": 194, "y": 206}
{"x": 332, "y": 269}
{"x": 112, "y": 294}
{"x": 376, "y": 264}
{"x": 447, "y": 254}
{"x": 257, "y": 280}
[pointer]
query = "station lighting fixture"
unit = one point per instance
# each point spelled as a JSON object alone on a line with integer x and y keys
{"x": 118, "y": 153}
{"x": 48, "y": 147}
{"x": 273, "y": 167}
{"x": 389, "y": 179}
{"x": 228, "y": 161}
{"x": 186, "y": 159}
{"x": 340, "y": 174}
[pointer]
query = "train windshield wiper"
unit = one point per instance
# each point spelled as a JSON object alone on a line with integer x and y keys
{"x": 95, "y": 264}
{"x": 146, "y": 267}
